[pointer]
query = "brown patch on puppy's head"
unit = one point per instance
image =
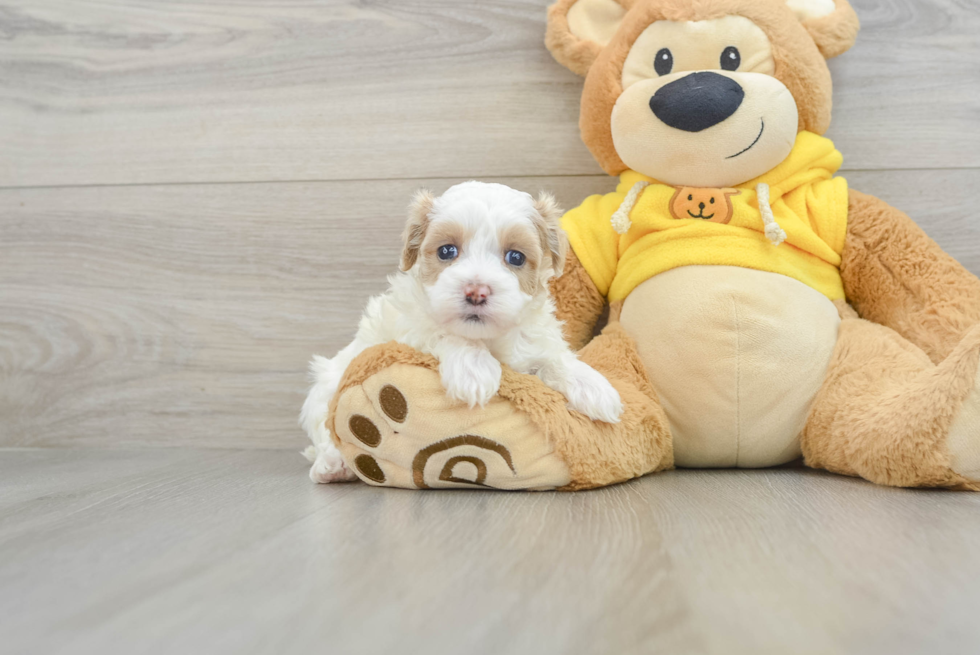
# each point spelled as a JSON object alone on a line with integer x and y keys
{"x": 415, "y": 228}
{"x": 525, "y": 240}
{"x": 542, "y": 242}
{"x": 439, "y": 234}
{"x": 554, "y": 241}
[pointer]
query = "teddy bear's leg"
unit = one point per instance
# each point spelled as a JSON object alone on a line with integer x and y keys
{"x": 888, "y": 414}
{"x": 395, "y": 426}
{"x": 600, "y": 454}
{"x": 895, "y": 275}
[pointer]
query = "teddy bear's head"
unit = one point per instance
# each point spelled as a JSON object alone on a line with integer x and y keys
{"x": 702, "y": 93}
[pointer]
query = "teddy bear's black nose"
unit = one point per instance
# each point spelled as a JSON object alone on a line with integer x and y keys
{"x": 697, "y": 101}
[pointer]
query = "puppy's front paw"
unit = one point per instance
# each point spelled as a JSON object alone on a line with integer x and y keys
{"x": 589, "y": 392}
{"x": 471, "y": 376}
{"x": 329, "y": 466}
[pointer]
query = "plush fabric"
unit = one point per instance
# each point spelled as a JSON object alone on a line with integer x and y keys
{"x": 526, "y": 438}
{"x": 595, "y": 21}
{"x": 578, "y": 302}
{"x": 799, "y": 65}
{"x": 834, "y": 33}
{"x": 752, "y": 115}
{"x": 895, "y": 275}
{"x": 885, "y": 411}
{"x": 963, "y": 445}
{"x": 736, "y": 356}
{"x": 576, "y": 53}
{"x": 808, "y": 202}
{"x": 496, "y": 447}
{"x": 855, "y": 342}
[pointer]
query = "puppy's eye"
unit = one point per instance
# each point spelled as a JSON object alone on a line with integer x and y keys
{"x": 447, "y": 253}
{"x": 663, "y": 63}
{"x": 514, "y": 258}
{"x": 731, "y": 59}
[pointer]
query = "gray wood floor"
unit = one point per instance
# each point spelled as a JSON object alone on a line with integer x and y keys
{"x": 222, "y": 551}
{"x": 196, "y": 196}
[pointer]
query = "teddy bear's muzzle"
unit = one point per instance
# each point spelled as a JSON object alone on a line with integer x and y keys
{"x": 697, "y": 101}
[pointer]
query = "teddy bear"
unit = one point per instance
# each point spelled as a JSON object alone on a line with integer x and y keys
{"x": 760, "y": 311}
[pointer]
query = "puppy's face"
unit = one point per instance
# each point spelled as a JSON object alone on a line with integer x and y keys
{"x": 482, "y": 252}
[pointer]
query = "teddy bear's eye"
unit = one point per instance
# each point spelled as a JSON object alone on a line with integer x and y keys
{"x": 663, "y": 63}
{"x": 712, "y": 201}
{"x": 731, "y": 59}
{"x": 690, "y": 197}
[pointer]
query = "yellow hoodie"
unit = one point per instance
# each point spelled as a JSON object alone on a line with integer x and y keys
{"x": 807, "y": 202}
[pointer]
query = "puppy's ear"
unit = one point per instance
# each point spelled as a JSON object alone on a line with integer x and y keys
{"x": 553, "y": 238}
{"x": 418, "y": 223}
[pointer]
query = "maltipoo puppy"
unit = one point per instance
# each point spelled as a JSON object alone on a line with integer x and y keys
{"x": 473, "y": 292}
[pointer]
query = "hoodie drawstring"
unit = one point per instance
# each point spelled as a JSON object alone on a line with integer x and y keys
{"x": 621, "y": 218}
{"x": 774, "y": 233}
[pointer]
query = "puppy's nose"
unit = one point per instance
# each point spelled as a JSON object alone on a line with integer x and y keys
{"x": 476, "y": 294}
{"x": 697, "y": 101}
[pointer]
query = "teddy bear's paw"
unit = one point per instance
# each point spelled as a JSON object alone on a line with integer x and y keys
{"x": 964, "y": 437}
{"x": 399, "y": 428}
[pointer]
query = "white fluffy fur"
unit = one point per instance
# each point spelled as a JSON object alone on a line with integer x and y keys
{"x": 515, "y": 328}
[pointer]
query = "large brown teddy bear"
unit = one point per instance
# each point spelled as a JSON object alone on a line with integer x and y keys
{"x": 760, "y": 310}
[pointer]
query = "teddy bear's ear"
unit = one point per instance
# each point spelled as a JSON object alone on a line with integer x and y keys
{"x": 833, "y": 24}
{"x": 578, "y": 30}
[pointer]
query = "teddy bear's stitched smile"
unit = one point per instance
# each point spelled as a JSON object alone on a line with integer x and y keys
{"x": 742, "y": 152}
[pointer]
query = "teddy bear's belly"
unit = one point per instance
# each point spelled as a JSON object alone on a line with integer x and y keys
{"x": 737, "y": 356}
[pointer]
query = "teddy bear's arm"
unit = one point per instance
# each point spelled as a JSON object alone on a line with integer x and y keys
{"x": 578, "y": 302}
{"x": 895, "y": 275}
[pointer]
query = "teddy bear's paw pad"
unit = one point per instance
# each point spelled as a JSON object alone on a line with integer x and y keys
{"x": 399, "y": 429}
{"x": 964, "y": 437}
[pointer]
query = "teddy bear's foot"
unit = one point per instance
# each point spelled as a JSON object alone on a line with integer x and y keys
{"x": 888, "y": 414}
{"x": 396, "y": 426}
{"x": 399, "y": 428}
{"x": 964, "y": 437}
